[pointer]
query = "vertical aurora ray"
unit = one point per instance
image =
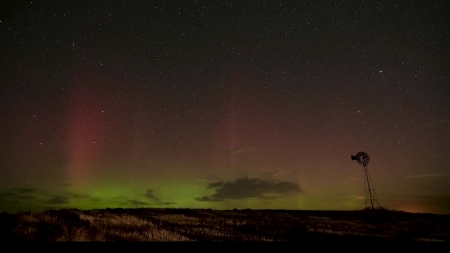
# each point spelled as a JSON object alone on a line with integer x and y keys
{"x": 236, "y": 124}
{"x": 107, "y": 143}
{"x": 85, "y": 133}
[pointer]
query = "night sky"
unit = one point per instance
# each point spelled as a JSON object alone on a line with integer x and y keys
{"x": 224, "y": 104}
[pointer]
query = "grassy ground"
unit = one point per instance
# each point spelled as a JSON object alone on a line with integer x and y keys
{"x": 231, "y": 225}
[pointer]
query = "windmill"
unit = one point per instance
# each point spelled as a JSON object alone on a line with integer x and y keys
{"x": 370, "y": 198}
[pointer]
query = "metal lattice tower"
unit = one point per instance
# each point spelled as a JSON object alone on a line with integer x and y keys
{"x": 370, "y": 196}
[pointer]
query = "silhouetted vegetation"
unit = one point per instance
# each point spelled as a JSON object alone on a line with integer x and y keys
{"x": 212, "y": 225}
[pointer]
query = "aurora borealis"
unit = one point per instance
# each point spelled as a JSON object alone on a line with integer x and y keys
{"x": 232, "y": 104}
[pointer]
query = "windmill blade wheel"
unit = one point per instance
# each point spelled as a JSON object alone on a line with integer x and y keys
{"x": 363, "y": 158}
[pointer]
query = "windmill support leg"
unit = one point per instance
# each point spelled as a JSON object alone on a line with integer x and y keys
{"x": 368, "y": 186}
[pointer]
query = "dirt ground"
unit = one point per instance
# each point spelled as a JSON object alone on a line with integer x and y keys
{"x": 206, "y": 225}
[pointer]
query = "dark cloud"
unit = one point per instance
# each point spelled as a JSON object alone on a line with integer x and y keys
{"x": 76, "y": 195}
{"x": 149, "y": 194}
{"x": 245, "y": 188}
{"x": 24, "y": 190}
{"x": 167, "y": 203}
{"x": 137, "y": 203}
{"x": 6, "y": 196}
{"x": 25, "y": 197}
{"x": 58, "y": 200}
{"x": 19, "y": 194}
{"x": 155, "y": 200}
{"x": 33, "y": 196}
{"x": 66, "y": 197}
{"x": 95, "y": 199}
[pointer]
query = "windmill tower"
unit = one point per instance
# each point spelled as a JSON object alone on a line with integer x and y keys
{"x": 370, "y": 198}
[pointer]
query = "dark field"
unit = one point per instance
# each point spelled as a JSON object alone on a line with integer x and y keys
{"x": 230, "y": 225}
